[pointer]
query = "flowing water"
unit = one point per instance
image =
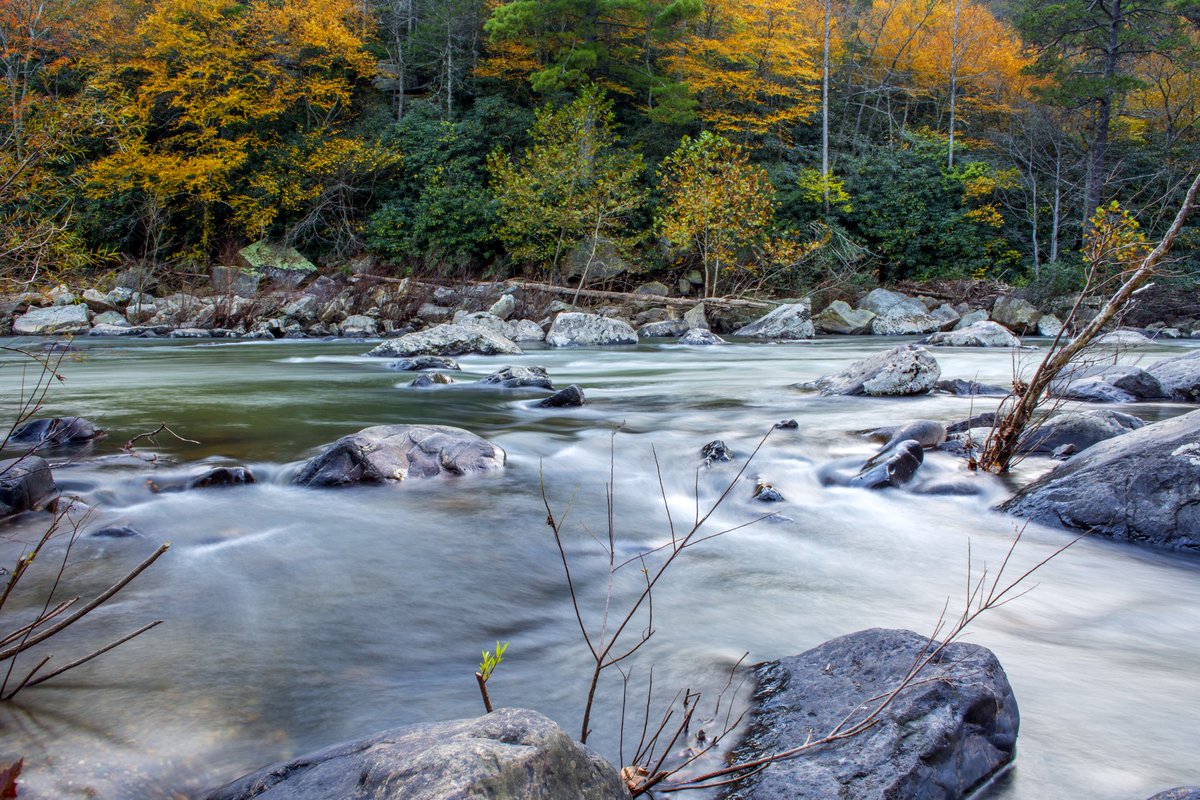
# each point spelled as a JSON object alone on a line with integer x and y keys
{"x": 297, "y": 618}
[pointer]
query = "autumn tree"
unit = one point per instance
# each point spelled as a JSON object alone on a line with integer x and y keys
{"x": 715, "y": 202}
{"x": 571, "y": 186}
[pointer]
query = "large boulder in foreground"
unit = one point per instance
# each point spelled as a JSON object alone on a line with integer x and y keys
{"x": 576, "y": 329}
{"x": 1179, "y": 377}
{"x": 26, "y": 483}
{"x": 981, "y": 334}
{"x": 789, "y": 321}
{"x": 904, "y": 370}
{"x": 392, "y": 453}
{"x": 1143, "y": 486}
{"x": 1179, "y": 793}
{"x": 510, "y": 754}
{"x": 943, "y": 736}
{"x": 447, "y": 340}
{"x": 54, "y": 321}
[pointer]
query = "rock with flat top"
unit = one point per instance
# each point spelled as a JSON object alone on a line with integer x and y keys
{"x": 790, "y": 321}
{"x": 54, "y": 321}
{"x": 838, "y": 317}
{"x": 981, "y": 334}
{"x": 447, "y": 340}
{"x": 576, "y": 329}
{"x": 904, "y": 370}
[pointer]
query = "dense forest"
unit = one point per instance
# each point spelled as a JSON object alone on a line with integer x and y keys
{"x": 759, "y": 144}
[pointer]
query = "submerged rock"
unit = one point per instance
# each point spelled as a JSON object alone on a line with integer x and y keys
{"x": 510, "y": 754}
{"x": 946, "y": 734}
{"x": 26, "y": 484}
{"x": 447, "y": 340}
{"x": 1138, "y": 487}
{"x": 904, "y": 370}
{"x": 431, "y": 379}
{"x": 55, "y": 431}
{"x": 789, "y": 321}
{"x": 569, "y": 397}
{"x": 393, "y": 453}
{"x": 766, "y": 493}
{"x": 1179, "y": 793}
{"x": 576, "y": 329}
{"x": 222, "y": 476}
{"x": 421, "y": 363}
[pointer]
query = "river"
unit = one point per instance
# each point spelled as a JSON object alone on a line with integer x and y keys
{"x": 297, "y": 618}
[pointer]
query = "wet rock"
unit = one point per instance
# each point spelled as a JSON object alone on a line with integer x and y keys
{"x": 904, "y": 370}
{"x": 985, "y": 420}
{"x": 789, "y": 321}
{"x": 962, "y": 388}
{"x": 891, "y": 468}
{"x": 668, "y": 328}
{"x": 510, "y": 754}
{"x": 514, "y": 377}
{"x": 1137, "y": 487}
{"x": 766, "y": 493}
{"x": 716, "y": 451}
{"x": 925, "y": 431}
{"x": 787, "y": 424}
{"x": 222, "y": 477}
{"x": 447, "y": 340}
{"x": 1079, "y": 428}
{"x": 55, "y": 431}
{"x": 422, "y": 363}
{"x": 1179, "y": 377}
{"x": 942, "y": 737}
{"x": 431, "y": 379}
{"x": 700, "y": 337}
{"x": 839, "y": 318}
{"x": 981, "y": 334}
{"x": 575, "y": 329}
{"x": 1016, "y": 314}
{"x": 569, "y": 397}
{"x": 26, "y": 484}
{"x": 54, "y": 321}
{"x": 392, "y": 453}
{"x": 115, "y": 532}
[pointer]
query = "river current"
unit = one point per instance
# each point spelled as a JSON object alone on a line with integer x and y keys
{"x": 296, "y": 618}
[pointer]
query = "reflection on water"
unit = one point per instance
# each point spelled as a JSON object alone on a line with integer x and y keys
{"x": 298, "y": 618}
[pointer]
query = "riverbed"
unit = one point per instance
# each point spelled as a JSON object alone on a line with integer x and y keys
{"x": 297, "y": 618}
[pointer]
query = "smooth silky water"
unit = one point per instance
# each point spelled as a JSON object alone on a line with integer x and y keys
{"x": 298, "y": 618}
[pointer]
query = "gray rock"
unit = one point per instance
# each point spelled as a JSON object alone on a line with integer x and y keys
{"x": 281, "y": 264}
{"x": 695, "y": 317}
{"x": 424, "y": 362}
{"x": 790, "y": 321}
{"x": 139, "y": 279}
{"x": 716, "y": 451}
{"x": 431, "y": 379}
{"x": 985, "y": 420}
{"x": 882, "y": 302}
{"x": 700, "y": 336}
{"x": 1179, "y": 376}
{"x": 926, "y": 432}
{"x": 55, "y": 431}
{"x": 120, "y": 296}
{"x": 446, "y": 340}
{"x": 392, "y": 453}
{"x": 116, "y": 532}
{"x": 526, "y": 330}
{"x": 510, "y": 754}
{"x": 1016, "y": 314}
{"x": 99, "y": 301}
{"x": 488, "y": 321}
{"x": 1049, "y": 325}
{"x": 432, "y": 312}
{"x": 668, "y": 328}
{"x": 221, "y": 477}
{"x": 62, "y": 296}
{"x": 235, "y": 281}
{"x": 1179, "y": 793}
{"x": 139, "y": 312}
{"x": 503, "y": 308}
{"x": 569, "y": 397}
{"x": 839, "y": 317}
{"x": 1064, "y": 452}
{"x": 766, "y": 493}
{"x": 981, "y": 334}
{"x": 1124, "y": 339}
{"x": 904, "y": 370}
{"x": 948, "y": 316}
{"x": 903, "y": 324}
{"x": 26, "y": 483}
{"x": 514, "y": 377}
{"x": 1139, "y": 487}
{"x": 943, "y": 736}
{"x": 787, "y": 425}
{"x": 892, "y": 467}
{"x": 109, "y": 329}
{"x": 970, "y": 318}
{"x": 653, "y": 289}
{"x": 54, "y": 321}
{"x": 191, "y": 333}
{"x": 963, "y": 388}
{"x": 359, "y": 325}
{"x": 1080, "y": 428}
{"x": 575, "y": 329}
{"x": 114, "y": 318}
{"x": 1106, "y": 384}
{"x": 305, "y": 308}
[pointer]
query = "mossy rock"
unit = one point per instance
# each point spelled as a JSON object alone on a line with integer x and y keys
{"x": 283, "y": 265}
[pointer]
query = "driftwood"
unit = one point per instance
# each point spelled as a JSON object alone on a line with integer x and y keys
{"x": 597, "y": 294}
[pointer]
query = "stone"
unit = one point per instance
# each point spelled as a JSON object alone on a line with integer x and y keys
{"x": 970, "y": 318}
{"x": 26, "y": 484}
{"x": 54, "y": 321}
{"x": 139, "y": 312}
{"x": 1119, "y": 383}
{"x": 702, "y": 337}
{"x": 190, "y": 333}
{"x": 109, "y": 329}
{"x": 120, "y": 296}
{"x": 1138, "y": 487}
{"x": 280, "y": 264}
{"x": 1016, "y": 314}
{"x": 904, "y": 370}
{"x": 488, "y": 321}
{"x": 514, "y": 377}
{"x": 716, "y": 451}
{"x": 99, "y": 301}
{"x": 985, "y": 420}
{"x": 787, "y": 425}
{"x": 695, "y": 317}
{"x": 1179, "y": 793}
{"x": 591, "y": 266}
{"x": 304, "y": 308}
{"x": 943, "y": 736}
{"x": 926, "y": 432}
{"x": 116, "y": 532}
{"x": 838, "y": 317}
{"x": 1049, "y": 325}
{"x": 446, "y": 340}
{"x": 424, "y": 362}
{"x": 359, "y": 325}
{"x": 113, "y": 318}
{"x": 964, "y": 388}
{"x": 653, "y": 289}
{"x": 55, "y": 431}
{"x": 890, "y": 468}
{"x": 667, "y": 329}
{"x": 650, "y": 315}
{"x": 981, "y": 334}
{"x": 569, "y": 397}
{"x": 431, "y": 379}
{"x": 1080, "y": 428}
{"x": 1179, "y": 376}
{"x": 386, "y": 454}
{"x": 219, "y": 477}
{"x": 575, "y": 329}
{"x": 1063, "y": 452}
{"x": 1122, "y": 338}
{"x": 766, "y": 493}
{"x": 510, "y": 754}
{"x": 61, "y": 296}
{"x": 138, "y": 279}
{"x": 904, "y": 324}
{"x": 948, "y": 316}
{"x": 234, "y": 281}
{"x": 504, "y": 307}
{"x": 882, "y": 302}
{"x": 526, "y": 330}
{"x": 788, "y": 321}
